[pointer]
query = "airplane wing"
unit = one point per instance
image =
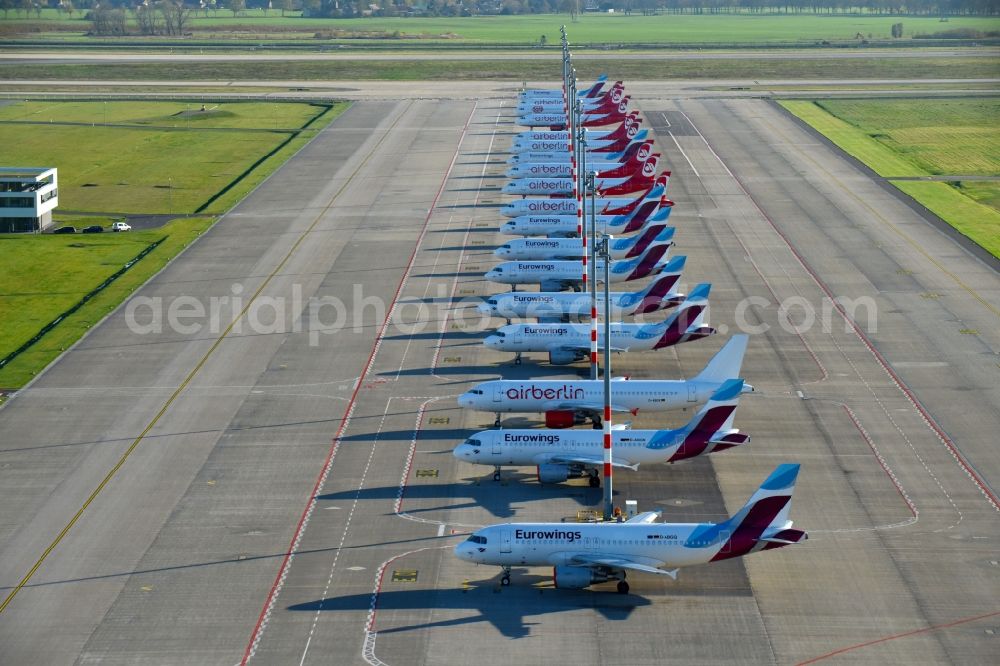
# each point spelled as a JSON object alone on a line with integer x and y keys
{"x": 593, "y": 461}
{"x": 618, "y": 562}
{"x": 645, "y": 517}
{"x": 584, "y": 349}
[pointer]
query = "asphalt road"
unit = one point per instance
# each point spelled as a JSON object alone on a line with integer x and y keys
{"x": 262, "y": 438}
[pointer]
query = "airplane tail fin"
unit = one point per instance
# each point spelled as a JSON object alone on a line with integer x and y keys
{"x": 647, "y": 264}
{"x": 727, "y": 362}
{"x": 762, "y": 523}
{"x": 638, "y": 244}
{"x": 710, "y": 429}
{"x": 596, "y": 88}
{"x": 687, "y": 324}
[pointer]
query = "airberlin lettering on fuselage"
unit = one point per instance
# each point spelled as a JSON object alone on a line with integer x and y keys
{"x": 552, "y": 206}
{"x": 564, "y": 392}
{"x": 528, "y": 535}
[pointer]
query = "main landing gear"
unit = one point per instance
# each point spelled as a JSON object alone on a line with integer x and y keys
{"x": 623, "y": 584}
{"x": 594, "y": 480}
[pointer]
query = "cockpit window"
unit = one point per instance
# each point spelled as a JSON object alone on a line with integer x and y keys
{"x": 476, "y": 392}
{"x": 473, "y": 442}
{"x": 501, "y": 334}
{"x": 505, "y": 246}
{"x": 491, "y": 301}
{"x": 475, "y": 538}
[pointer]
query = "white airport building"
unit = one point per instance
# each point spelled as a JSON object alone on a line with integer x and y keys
{"x": 27, "y": 198}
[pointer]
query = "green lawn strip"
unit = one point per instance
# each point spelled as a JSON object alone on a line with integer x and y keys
{"x": 145, "y": 170}
{"x": 244, "y": 184}
{"x": 45, "y": 275}
{"x": 879, "y": 158}
{"x": 941, "y": 136}
{"x": 513, "y": 70}
{"x": 525, "y": 29}
{"x": 180, "y": 115}
{"x": 978, "y": 222}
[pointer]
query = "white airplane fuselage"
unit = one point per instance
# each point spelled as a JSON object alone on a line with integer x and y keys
{"x": 542, "y": 337}
{"x": 555, "y": 544}
{"x": 560, "y": 304}
{"x": 536, "y": 396}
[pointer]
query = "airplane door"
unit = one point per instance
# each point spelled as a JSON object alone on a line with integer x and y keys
{"x": 505, "y": 540}
{"x": 496, "y": 446}
{"x": 497, "y": 394}
{"x": 692, "y": 392}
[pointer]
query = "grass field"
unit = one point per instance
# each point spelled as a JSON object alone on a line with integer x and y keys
{"x": 906, "y": 138}
{"x": 44, "y": 275}
{"x": 143, "y": 145}
{"x": 748, "y": 69}
{"x": 527, "y": 29}
{"x": 142, "y": 157}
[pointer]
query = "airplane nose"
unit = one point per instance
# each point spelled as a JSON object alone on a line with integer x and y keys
{"x": 492, "y": 341}
{"x": 465, "y": 400}
{"x": 508, "y": 229}
{"x": 484, "y": 308}
{"x": 463, "y": 552}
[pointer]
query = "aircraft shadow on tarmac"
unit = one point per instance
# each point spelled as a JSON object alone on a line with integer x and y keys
{"x": 507, "y": 609}
{"x": 464, "y": 230}
{"x": 478, "y": 274}
{"x": 499, "y": 498}
{"x": 536, "y": 371}
{"x": 473, "y": 189}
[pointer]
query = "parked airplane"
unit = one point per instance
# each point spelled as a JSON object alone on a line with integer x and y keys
{"x": 606, "y": 114}
{"x": 540, "y": 249}
{"x": 556, "y": 275}
{"x": 557, "y": 104}
{"x": 634, "y": 181}
{"x": 567, "y": 402}
{"x": 568, "y": 343}
{"x": 611, "y": 144}
{"x": 566, "y": 226}
{"x": 566, "y": 306}
{"x": 585, "y": 554}
{"x": 637, "y": 150}
{"x": 562, "y": 454}
{"x": 605, "y": 170}
{"x": 593, "y": 134}
{"x": 593, "y": 91}
{"x": 605, "y": 205}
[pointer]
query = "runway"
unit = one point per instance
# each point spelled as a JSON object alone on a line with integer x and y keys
{"x": 255, "y": 443}
{"x": 85, "y": 57}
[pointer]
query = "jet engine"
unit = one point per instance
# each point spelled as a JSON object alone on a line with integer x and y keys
{"x": 575, "y": 578}
{"x": 553, "y": 285}
{"x": 549, "y": 473}
{"x": 562, "y": 357}
{"x": 560, "y": 419}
